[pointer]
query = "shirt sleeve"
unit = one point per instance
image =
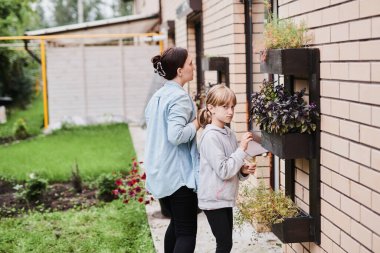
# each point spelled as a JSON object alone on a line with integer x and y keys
{"x": 180, "y": 127}
{"x": 224, "y": 166}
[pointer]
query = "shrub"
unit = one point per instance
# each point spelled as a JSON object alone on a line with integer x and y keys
{"x": 277, "y": 111}
{"x": 34, "y": 188}
{"x": 76, "y": 179}
{"x": 106, "y": 184}
{"x": 20, "y": 129}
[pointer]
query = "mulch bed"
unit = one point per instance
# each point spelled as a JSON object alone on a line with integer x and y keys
{"x": 58, "y": 197}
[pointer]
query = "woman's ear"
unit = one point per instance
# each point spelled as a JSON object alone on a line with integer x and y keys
{"x": 179, "y": 72}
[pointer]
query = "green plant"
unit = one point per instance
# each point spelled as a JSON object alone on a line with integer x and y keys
{"x": 20, "y": 129}
{"x": 76, "y": 179}
{"x": 264, "y": 206}
{"x": 33, "y": 189}
{"x": 283, "y": 33}
{"x": 105, "y": 185}
{"x": 132, "y": 187}
{"x": 276, "y": 111}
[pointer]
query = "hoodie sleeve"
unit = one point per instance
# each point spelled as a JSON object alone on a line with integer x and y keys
{"x": 213, "y": 151}
{"x": 180, "y": 129}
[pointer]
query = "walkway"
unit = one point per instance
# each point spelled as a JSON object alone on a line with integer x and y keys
{"x": 246, "y": 239}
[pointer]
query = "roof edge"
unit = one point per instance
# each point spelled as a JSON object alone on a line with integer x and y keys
{"x": 92, "y": 24}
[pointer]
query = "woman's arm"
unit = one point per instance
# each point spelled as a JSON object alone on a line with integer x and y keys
{"x": 180, "y": 129}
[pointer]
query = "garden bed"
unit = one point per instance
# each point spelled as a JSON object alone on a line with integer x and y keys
{"x": 59, "y": 197}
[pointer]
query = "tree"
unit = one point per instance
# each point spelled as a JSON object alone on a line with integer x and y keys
{"x": 15, "y": 80}
{"x": 66, "y": 11}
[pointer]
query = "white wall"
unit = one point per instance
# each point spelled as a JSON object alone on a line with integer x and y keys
{"x": 96, "y": 84}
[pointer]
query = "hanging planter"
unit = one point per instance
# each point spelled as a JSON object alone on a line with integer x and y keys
{"x": 289, "y": 146}
{"x": 296, "y": 229}
{"x": 294, "y": 61}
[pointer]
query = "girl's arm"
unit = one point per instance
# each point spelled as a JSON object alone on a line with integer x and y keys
{"x": 180, "y": 129}
{"x": 224, "y": 167}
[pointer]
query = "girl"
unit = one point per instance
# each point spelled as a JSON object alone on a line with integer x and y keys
{"x": 221, "y": 164}
{"x": 171, "y": 156}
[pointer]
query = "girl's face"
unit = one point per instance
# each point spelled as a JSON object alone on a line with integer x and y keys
{"x": 222, "y": 114}
{"x": 187, "y": 71}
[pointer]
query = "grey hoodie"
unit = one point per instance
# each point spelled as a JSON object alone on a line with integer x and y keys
{"x": 219, "y": 172}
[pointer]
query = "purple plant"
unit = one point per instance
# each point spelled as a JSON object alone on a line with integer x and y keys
{"x": 277, "y": 111}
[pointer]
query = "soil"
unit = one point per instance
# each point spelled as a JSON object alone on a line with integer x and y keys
{"x": 58, "y": 197}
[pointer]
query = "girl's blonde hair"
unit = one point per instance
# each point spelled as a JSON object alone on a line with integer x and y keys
{"x": 218, "y": 95}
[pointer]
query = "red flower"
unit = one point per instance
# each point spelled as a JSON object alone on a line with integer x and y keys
{"x": 119, "y": 182}
{"x": 126, "y": 201}
{"x": 143, "y": 177}
{"x": 147, "y": 202}
{"x": 134, "y": 164}
{"x": 138, "y": 189}
{"x": 140, "y": 200}
{"x": 122, "y": 191}
{"x": 115, "y": 192}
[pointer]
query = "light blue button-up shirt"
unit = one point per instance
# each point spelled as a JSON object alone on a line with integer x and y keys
{"x": 171, "y": 155}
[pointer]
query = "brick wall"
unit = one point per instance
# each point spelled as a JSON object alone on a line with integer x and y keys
{"x": 347, "y": 32}
{"x": 94, "y": 84}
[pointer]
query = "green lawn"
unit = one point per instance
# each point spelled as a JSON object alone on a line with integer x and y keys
{"x": 97, "y": 149}
{"x": 33, "y": 115}
{"x": 112, "y": 228}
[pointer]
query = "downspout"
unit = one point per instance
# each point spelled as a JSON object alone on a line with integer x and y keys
{"x": 248, "y": 56}
{"x": 35, "y": 57}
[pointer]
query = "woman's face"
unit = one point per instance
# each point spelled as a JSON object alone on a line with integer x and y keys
{"x": 187, "y": 71}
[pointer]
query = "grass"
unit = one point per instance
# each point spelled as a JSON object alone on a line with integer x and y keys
{"x": 96, "y": 149}
{"x": 111, "y": 228}
{"x": 33, "y": 115}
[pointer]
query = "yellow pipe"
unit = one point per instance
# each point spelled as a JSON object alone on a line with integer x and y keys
{"x": 44, "y": 82}
{"x": 161, "y": 43}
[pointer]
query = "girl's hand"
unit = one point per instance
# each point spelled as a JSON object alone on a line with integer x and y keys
{"x": 246, "y": 137}
{"x": 248, "y": 168}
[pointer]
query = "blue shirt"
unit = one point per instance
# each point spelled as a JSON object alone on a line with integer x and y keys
{"x": 171, "y": 155}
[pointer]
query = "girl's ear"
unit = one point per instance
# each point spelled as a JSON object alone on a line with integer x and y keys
{"x": 211, "y": 108}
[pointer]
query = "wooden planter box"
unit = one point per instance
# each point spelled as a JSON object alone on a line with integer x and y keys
{"x": 298, "y": 229}
{"x": 295, "y": 61}
{"x": 289, "y": 146}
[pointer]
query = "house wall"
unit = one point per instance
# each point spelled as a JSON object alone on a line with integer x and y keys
{"x": 98, "y": 84}
{"x": 347, "y": 32}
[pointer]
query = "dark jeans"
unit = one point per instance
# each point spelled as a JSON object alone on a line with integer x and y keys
{"x": 221, "y": 223}
{"x": 182, "y": 230}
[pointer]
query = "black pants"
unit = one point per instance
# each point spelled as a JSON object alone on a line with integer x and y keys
{"x": 221, "y": 223}
{"x": 182, "y": 230}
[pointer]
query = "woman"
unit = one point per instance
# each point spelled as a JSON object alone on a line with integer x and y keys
{"x": 171, "y": 156}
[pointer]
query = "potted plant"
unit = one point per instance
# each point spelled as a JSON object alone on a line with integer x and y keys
{"x": 284, "y": 46}
{"x": 286, "y": 121}
{"x": 273, "y": 211}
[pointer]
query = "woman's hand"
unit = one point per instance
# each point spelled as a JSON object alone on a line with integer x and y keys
{"x": 245, "y": 138}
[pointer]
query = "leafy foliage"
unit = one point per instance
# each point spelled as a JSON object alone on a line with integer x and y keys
{"x": 277, "y": 111}
{"x": 34, "y": 188}
{"x": 20, "y": 129}
{"x": 16, "y": 68}
{"x": 284, "y": 33}
{"x": 106, "y": 184}
{"x": 264, "y": 206}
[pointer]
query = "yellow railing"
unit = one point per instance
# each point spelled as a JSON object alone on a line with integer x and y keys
{"x": 43, "y": 38}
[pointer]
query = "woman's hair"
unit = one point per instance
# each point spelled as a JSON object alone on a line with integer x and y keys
{"x": 169, "y": 61}
{"x": 218, "y": 95}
